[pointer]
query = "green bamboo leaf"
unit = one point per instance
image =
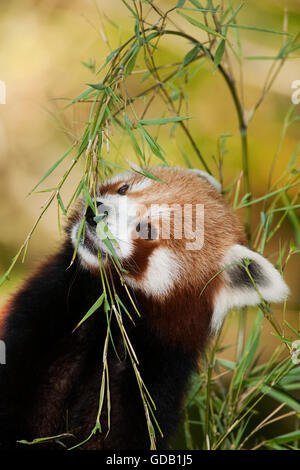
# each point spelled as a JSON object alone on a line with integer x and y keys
{"x": 52, "y": 168}
{"x": 159, "y": 121}
{"x": 108, "y": 163}
{"x": 267, "y": 196}
{"x": 117, "y": 124}
{"x": 100, "y": 217}
{"x": 130, "y": 9}
{"x": 149, "y": 175}
{"x": 286, "y": 208}
{"x": 79, "y": 190}
{"x": 249, "y": 351}
{"x": 98, "y": 123}
{"x": 199, "y": 7}
{"x": 285, "y": 438}
{"x": 39, "y": 440}
{"x": 262, "y": 57}
{"x": 174, "y": 94}
{"x": 201, "y": 25}
{"x": 111, "y": 55}
{"x": 196, "y": 4}
{"x": 107, "y": 238}
{"x": 292, "y": 377}
{"x": 290, "y": 46}
{"x": 88, "y": 197}
{"x": 297, "y": 333}
{"x": 151, "y": 36}
{"x": 186, "y": 159}
{"x": 118, "y": 300}
{"x": 88, "y": 93}
{"x": 98, "y": 86}
{"x": 108, "y": 59}
{"x": 49, "y": 190}
{"x": 235, "y": 12}
{"x": 190, "y": 56}
{"x": 61, "y": 204}
{"x": 292, "y": 49}
{"x": 227, "y": 364}
{"x": 131, "y": 62}
{"x": 89, "y": 65}
{"x": 294, "y": 156}
{"x": 92, "y": 310}
{"x": 219, "y": 52}
{"x": 255, "y": 28}
{"x": 129, "y": 128}
{"x": 281, "y": 396}
{"x": 137, "y": 30}
{"x": 292, "y": 387}
{"x": 154, "y": 146}
{"x": 84, "y": 141}
{"x": 244, "y": 199}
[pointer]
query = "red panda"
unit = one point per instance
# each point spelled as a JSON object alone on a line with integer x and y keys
{"x": 183, "y": 253}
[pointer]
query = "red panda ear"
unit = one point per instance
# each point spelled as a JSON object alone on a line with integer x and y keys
{"x": 208, "y": 177}
{"x": 247, "y": 279}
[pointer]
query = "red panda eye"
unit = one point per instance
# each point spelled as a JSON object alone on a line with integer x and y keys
{"x": 123, "y": 189}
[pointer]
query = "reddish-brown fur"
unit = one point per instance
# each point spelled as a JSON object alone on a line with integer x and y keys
{"x": 6, "y": 309}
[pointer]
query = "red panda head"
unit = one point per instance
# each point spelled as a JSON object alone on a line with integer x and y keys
{"x": 177, "y": 239}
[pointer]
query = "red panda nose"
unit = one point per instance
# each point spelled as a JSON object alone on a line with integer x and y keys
{"x": 102, "y": 209}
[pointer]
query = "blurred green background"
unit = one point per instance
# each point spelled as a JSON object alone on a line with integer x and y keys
{"x": 43, "y": 44}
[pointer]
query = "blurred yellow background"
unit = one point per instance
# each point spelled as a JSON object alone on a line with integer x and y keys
{"x": 42, "y": 46}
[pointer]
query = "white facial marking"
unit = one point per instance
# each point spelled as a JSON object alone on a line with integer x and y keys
{"x": 88, "y": 257}
{"x": 120, "y": 221}
{"x": 84, "y": 252}
{"x": 162, "y": 272}
{"x": 272, "y": 288}
{"x": 74, "y": 233}
{"x": 141, "y": 185}
{"x": 119, "y": 177}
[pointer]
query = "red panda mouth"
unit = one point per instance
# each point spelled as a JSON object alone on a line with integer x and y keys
{"x": 87, "y": 248}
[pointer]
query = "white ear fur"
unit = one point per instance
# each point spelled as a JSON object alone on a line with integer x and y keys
{"x": 209, "y": 178}
{"x": 238, "y": 289}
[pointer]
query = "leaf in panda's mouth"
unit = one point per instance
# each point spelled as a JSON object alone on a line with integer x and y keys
{"x": 104, "y": 233}
{"x": 99, "y": 217}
